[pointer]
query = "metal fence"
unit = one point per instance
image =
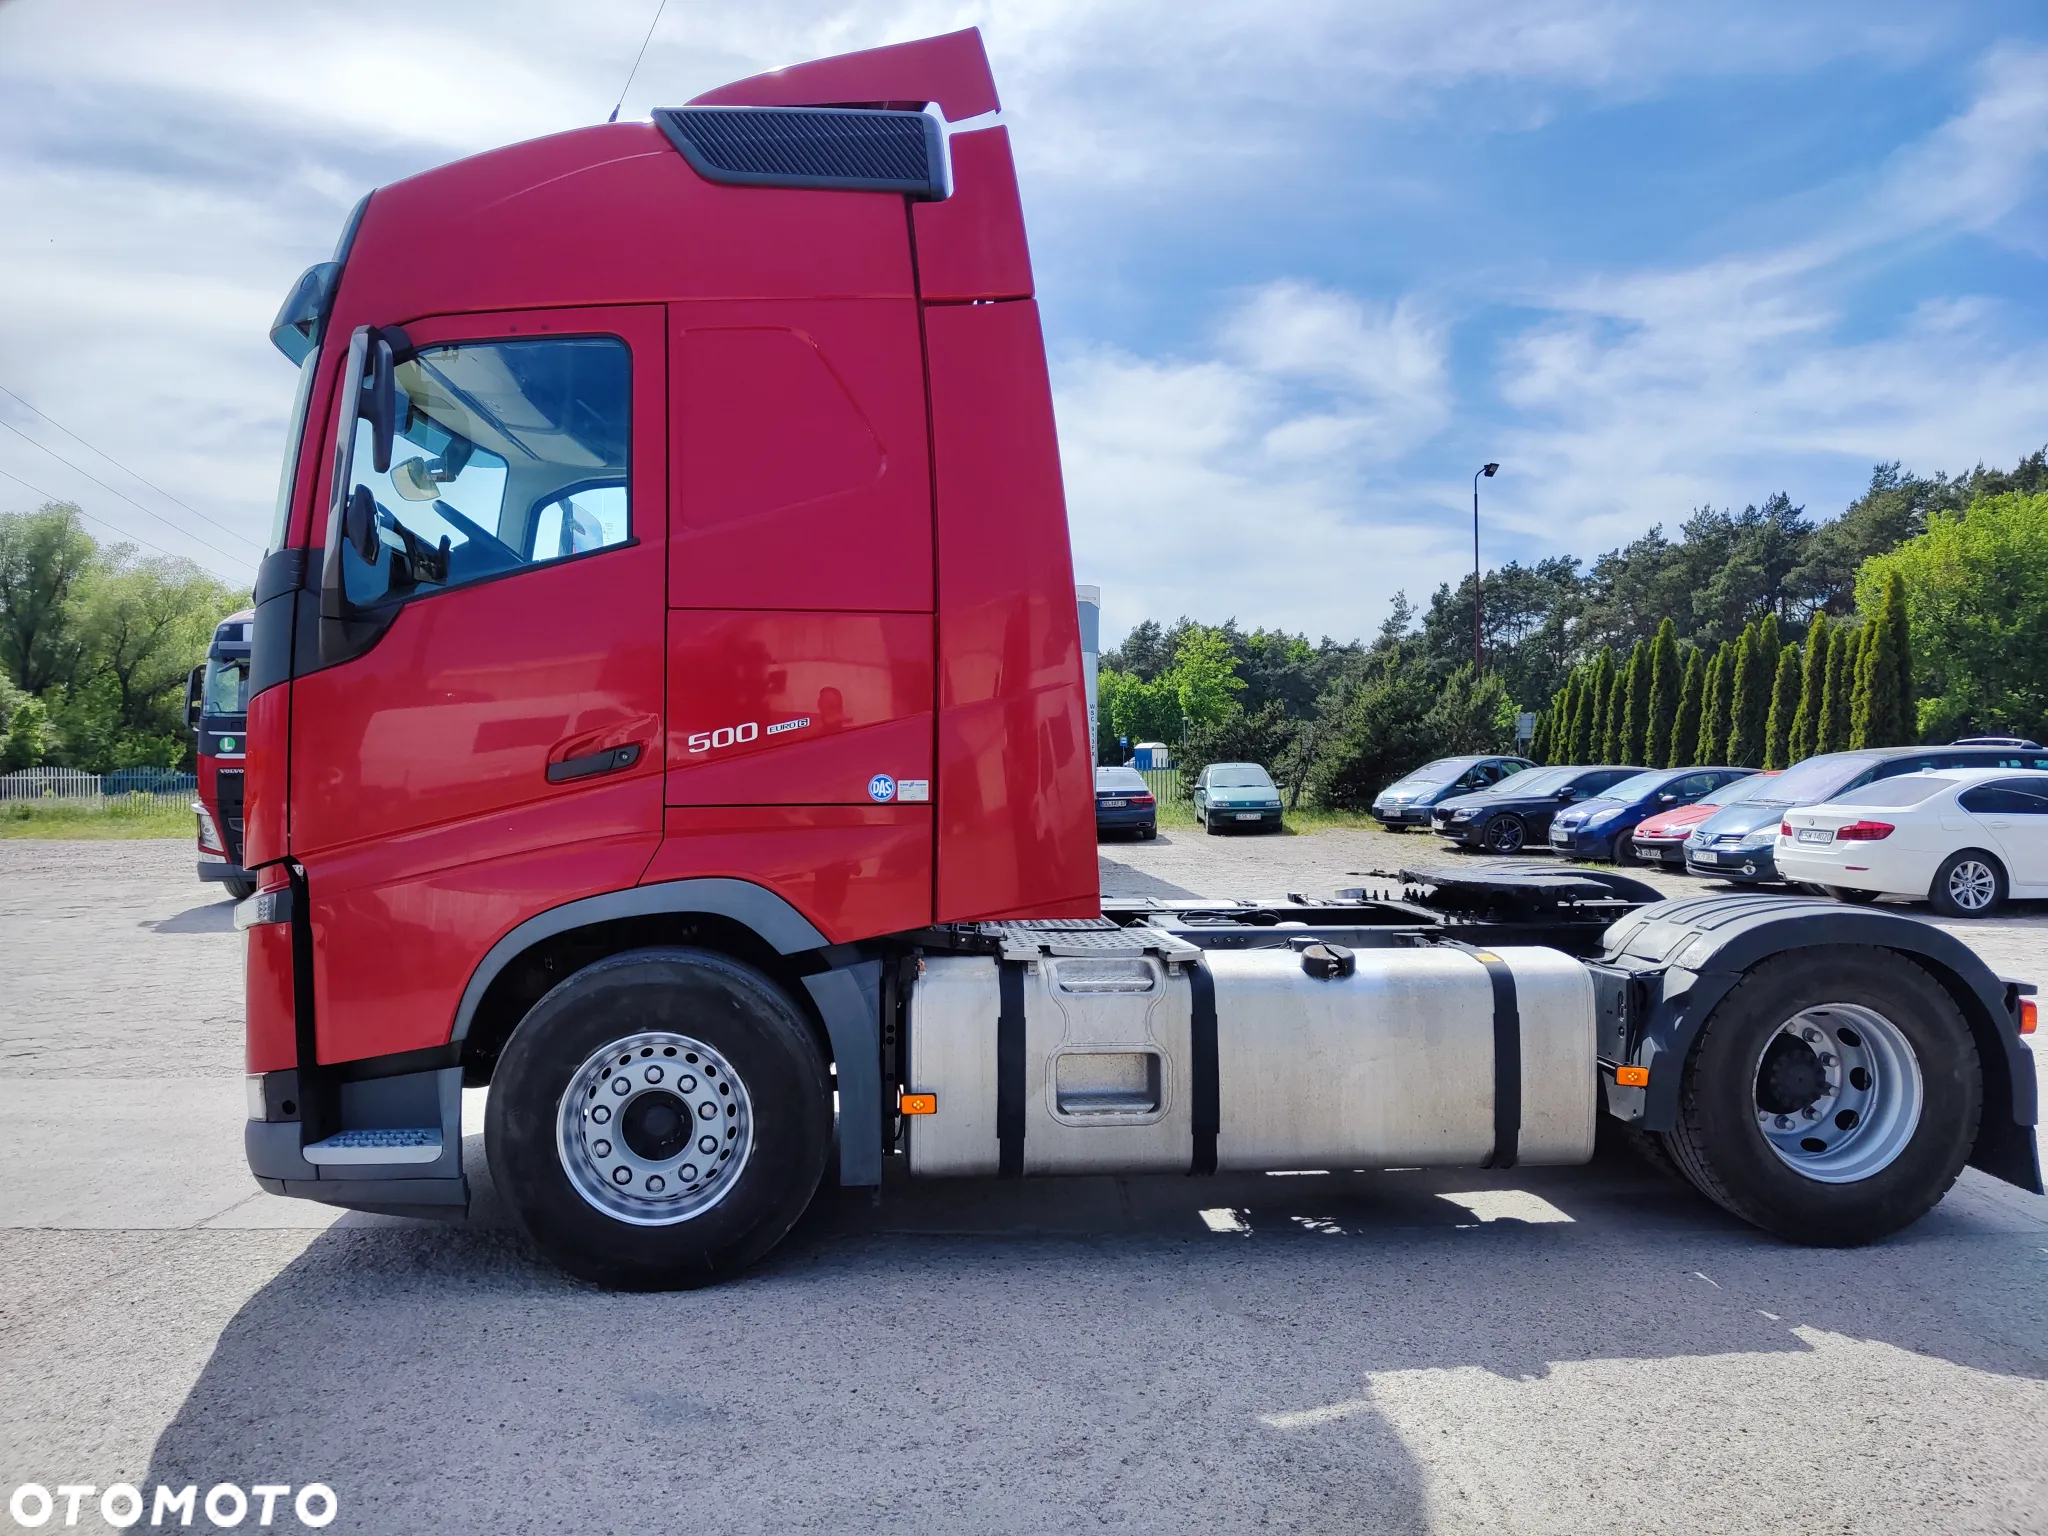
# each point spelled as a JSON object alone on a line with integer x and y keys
{"x": 97, "y": 791}
{"x": 1165, "y": 784}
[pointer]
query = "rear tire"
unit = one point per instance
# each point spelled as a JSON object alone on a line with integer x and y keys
{"x": 1970, "y": 883}
{"x": 1855, "y": 898}
{"x": 1146, "y": 834}
{"x": 1883, "y": 1150}
{"x": 678, "y": 1012}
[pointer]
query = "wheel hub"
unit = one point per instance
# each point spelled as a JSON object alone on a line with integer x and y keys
{"x": 1971, "y": 885}
{"x": 654, "y": 1128}
{"x": 1838, "y": 1092}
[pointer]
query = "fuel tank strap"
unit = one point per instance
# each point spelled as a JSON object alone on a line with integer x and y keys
{"x": 1507, "y": 1057}
{"x": 1205, "y": 1088}
{"x": 1010, "y": 1070}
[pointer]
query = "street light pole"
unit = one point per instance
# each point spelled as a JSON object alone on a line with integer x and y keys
{"x": 1478, "y": 660}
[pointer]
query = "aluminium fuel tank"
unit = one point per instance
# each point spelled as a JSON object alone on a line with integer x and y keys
{"x": 1390, "y": 1066}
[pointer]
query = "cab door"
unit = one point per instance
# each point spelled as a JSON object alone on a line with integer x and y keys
{"x": 482, "y": 739}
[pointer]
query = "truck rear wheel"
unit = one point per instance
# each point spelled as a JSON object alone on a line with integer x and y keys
{"x": 660, "y": 1119}
{"x": 1832, "y": 1098}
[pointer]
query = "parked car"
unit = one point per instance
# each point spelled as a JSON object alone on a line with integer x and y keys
{"x": 1739, "y": 842}
{"x": 1408, "y": 800}
{"x": 1238, "y": 796}
{"x": 1124, "y": 803}
{"x": 1517, "y": 811}
{"x": 1601, "y": 827}
{"x": 1660, "y": 839}
{"x": 1963, "y": 838}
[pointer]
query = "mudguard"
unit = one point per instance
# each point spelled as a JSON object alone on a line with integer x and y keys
{"x": 1666, "y": 967}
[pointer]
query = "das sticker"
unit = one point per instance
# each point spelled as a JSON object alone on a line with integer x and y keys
{"x": 882, "y": 788}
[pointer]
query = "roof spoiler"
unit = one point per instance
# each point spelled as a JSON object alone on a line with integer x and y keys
{"x": 951, "y": 71}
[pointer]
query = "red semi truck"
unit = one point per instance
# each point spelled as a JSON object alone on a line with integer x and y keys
{"x": 667, "y": 709}
{"x": 216, "y": 708}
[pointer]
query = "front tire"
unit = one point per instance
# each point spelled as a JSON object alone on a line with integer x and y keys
{"x": 660, "y": 1119}
{"x": 1506, "y": 833}
{"x": 1832, "y": 1098}
{"x": 241, "y": 890}
{"x": 1970, "y": 883}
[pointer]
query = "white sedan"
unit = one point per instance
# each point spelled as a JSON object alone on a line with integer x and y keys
{"x": 1962, "y": 838}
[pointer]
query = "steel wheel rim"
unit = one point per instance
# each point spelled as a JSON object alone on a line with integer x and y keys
{"x": 1869, "y": 1092}
{"x": 619, "y": 1129}
{"x": 1972, "y": 884}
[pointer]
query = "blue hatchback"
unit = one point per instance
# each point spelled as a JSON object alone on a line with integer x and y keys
{"x": 1602, "y": 827}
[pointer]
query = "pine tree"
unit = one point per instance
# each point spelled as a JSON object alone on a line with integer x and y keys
{"x": 1635, "y": 707}
{"x": 1813, "y": 673}
{"x": 1610, "y": 717}
{"x": 1586, "y": 748}
{"x": 1894, "y": 719}
{"x": 1832, "y": 734}
{"x": 1665, "y": 680}
{"x": 1712, "y": 745}
{"x": 1784, "y": 705}
{"x": 1685, "y": 725}
{"x": 1860, "y": 692}
{"x": 1749, "y": 704}
{"x": 1584, "y": 713}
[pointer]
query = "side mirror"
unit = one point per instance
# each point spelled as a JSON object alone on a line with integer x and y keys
{"x": 378, "y": 404}
{"x": 1569, "y": 793}
{"x": 1667, "y": 798}
{"x": 195, "y": 691}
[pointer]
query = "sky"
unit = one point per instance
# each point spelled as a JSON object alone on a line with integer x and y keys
{"x": 1304, "y": 266}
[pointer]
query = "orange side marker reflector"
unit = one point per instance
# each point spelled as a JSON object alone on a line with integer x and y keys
{"x": 1632, "y": 1077}
{"x": 2030, "y": 1015}
{"x": 919, "y": 1104}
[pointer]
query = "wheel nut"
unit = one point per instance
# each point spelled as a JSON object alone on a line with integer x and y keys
{"x": 1809, "y": 1035}
{"x": 707, "y": 1145}
{"x": 621, "y": 1087}
{"x": 602, "y": 1113}
{"x": 601, "y": 1148}
{"x": 654, "y": 1074}
{"x": 687, "y": 1172}
{"x": 1784, "y": 1122}
{"x": 654, "y": 1184}
{"x": 622, "y": 1175}
{"x": 686, "y": 1084}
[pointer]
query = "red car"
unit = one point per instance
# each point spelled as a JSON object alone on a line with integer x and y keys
{"x": 1660, "y": 839}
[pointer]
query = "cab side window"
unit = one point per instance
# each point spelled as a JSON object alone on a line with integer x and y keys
{"x": 509, "y": 454}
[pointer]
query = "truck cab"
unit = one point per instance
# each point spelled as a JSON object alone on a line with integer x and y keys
{"x": 217, "y": 711}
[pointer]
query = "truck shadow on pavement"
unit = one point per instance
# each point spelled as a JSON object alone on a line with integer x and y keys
{"x": 214, "y": 917}
{"x": 1340, "y": 1352}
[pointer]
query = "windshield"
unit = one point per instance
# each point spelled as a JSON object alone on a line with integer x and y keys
{"x": 1442, "y": 771}
{"x": 1634, "y": 787}
{"x": 281, "y": 514}
{"x": 1736, "y": 789}
{"x": 1239, "y": 776}
{"x": 227, "y": 686}
{"x": 1907, "y": 789}
{"x": 1533, "y": 781}
{"x": 1816, "y": 779}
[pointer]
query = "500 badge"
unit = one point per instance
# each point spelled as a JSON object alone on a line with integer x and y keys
{"x": 740, "y": 735}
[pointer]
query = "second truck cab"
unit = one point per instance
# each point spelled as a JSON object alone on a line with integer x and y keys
{"x": 217, "y": 710}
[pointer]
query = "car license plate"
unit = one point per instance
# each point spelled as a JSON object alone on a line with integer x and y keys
{"x": 1814, "y": 835}
{"x": 1111, "y": 805}
{"x": 1706, "y": 856}
{"x": 1248, "y": 816}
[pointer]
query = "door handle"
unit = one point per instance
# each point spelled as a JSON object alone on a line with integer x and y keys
{"x": 611, "y": 760}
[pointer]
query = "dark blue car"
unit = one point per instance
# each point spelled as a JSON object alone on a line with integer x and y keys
{"x": 1516, "y": 812}
{"x": 1124, "y": 803}
{"x": 1602, "y": 827}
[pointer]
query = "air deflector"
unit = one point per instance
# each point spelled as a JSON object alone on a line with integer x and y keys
{"x": 831, "y": 148}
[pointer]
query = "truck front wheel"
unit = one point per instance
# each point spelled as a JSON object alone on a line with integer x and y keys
{"x": 660, "y": 1119}
{"x": 1832, "y": 1098}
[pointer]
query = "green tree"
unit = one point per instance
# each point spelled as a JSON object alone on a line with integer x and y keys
{"x": 1860, "y": 720}
{"x": 1748, "y": 704}
{"x": 1135, "y": 709}
{"x": 1204, "y": 676}
{"x": 1666, "y": 678}
{"x": 1611, "y": 713}
{"x": 1784, "y": 706}
{"x": 27, "y": 742}
{"x": 1588, "y": 714}
{"x": 1832, "y": 734}
{"x": 1976, "y": 597}
{"x": 1718, "y": 707}
{"x": 1881, "y": 711}
{"x": 1373, "y": 735}
{"x": 1685, "y": 725}
{"x": 1635, "y": 706}
{"x": 43, "y": 558}
{"x": 1813, "y": 672}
